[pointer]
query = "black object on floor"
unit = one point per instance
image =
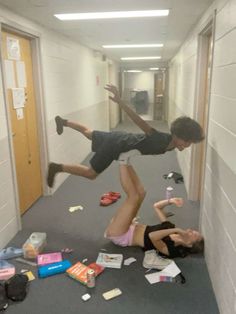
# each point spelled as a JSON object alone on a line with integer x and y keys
{"x": 177, "y": 177}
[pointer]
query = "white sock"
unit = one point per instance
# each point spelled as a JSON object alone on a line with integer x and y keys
{"x": 124, "y": 158}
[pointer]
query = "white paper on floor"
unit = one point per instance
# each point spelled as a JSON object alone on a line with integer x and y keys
{"x": 171, "y": 270}
{"x": 129, "y": 261}
{"x": 74, "y": 208}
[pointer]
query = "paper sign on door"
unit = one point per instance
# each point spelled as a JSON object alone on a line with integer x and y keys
{"x": 18, "y": 97}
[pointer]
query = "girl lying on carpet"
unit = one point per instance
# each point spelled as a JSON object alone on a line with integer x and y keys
{"x": 164, "y": 237}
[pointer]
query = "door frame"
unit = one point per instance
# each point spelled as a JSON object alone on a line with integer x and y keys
{"x": 198, "y": 153}
{"x": 34, "y": 38}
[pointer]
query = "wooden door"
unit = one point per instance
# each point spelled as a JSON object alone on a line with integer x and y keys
{"x": 158, "y": 97}
{"x": 16, "y": 51}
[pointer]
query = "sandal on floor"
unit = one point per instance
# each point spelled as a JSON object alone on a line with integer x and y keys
{"x": 10, "y": 252}
{"x": 109, "y": 196}
{"x": 116, "y": 194}
{"x": 107, "y": 201}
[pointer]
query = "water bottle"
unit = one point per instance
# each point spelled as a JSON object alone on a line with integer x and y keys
{"x": 169, "y": 192}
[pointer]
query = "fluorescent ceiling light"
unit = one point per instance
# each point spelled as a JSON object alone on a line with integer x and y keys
{"x": 133, "y": 46}
{"x": 133, "y": 71}
{"x": 140, "y": 58}
{"x": 110, "y": 15}
{"x": 153, "y": 69}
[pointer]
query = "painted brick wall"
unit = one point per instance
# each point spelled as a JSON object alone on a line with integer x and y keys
{"x": 73, "y": 81}
{"x": 218, "y": 209}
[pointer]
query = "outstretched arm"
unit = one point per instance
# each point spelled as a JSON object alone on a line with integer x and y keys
{"x": 159, "y": 206}
{"x": 143, "y": 125}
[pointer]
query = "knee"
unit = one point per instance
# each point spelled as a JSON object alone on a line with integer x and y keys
{"x": 142, "y": 193}
{"x": 135, "y": 199}
{"x": 88, "y": 133}
{"x": 91, "y": 174}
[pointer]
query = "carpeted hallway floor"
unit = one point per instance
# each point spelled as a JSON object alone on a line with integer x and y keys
{"x": 83, "y": 232}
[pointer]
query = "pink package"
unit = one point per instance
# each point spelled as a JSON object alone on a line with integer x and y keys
{"x": 6, "y": 273}
{"x": 43, "y": 259}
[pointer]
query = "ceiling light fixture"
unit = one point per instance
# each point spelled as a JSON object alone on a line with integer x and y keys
{"x": 133, "y": 46}
{"x": 110, "y": 15}
{"x": 140, "y": 58}
{"x": 153, "y": 69}
{"x": 133, "y": 71}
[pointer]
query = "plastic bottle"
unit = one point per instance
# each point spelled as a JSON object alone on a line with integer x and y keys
{"x": 169, "y": 192}
{"x": 34, "y": 244}
{"x": 53, "y": 269}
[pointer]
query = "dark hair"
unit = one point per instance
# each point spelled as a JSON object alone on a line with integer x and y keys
{"x": 187, "y": 129}
{"x": 196, "y": 248}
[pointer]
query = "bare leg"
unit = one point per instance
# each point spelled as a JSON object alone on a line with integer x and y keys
{"x": 61, "y": 123}
{"x": 129, "y": 209}
{"x": 78, "y": 170}
{"x": 80, "y": 128}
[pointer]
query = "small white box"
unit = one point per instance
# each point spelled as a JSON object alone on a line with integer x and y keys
{"x": 86, "y": 297}
{"x": 111, "y": 294}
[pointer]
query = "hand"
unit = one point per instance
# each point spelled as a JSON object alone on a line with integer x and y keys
{"x": 182, "y": 232}
{"x": 178, "y": 201}
{"x": 113, "y": 89}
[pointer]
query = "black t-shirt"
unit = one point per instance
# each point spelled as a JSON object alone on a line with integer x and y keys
{"x": 118, "y": 142}
{"x": 174, "y": 251}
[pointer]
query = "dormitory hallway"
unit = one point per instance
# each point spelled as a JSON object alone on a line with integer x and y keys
{"x": 68, "y": 79}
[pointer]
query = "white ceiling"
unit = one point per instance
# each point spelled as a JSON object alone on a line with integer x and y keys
{"x": 171, "y": 30}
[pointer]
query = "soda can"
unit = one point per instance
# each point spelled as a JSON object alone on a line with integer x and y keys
{"x": 91, "y": 278}
{"x": 169, "y": 192}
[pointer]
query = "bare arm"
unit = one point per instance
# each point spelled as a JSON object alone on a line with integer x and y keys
{"x": 160, "y": 234}
{"x": 159, "y": 206}
{"x": 143, "y": 125}
{"x": 157, "y": 236}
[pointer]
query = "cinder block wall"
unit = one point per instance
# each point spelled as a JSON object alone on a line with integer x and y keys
{"x": 73, "y": 80}
{"x": 218, "y": 206}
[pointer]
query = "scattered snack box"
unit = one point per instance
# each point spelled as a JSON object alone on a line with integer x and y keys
{"x": 49, "y": 258}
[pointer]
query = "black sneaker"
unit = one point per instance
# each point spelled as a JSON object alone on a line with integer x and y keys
{"x": 60, "y": 123}
{"x": 53, "y": 169}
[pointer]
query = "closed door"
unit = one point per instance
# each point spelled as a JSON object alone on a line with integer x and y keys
{"x": 158, "y": 97}
{"x": 16, "y": 51}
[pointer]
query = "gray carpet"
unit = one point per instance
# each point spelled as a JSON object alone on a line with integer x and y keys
{"x": 83, "y": 231}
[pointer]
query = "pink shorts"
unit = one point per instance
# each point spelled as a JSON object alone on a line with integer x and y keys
{"x": 124, "y": 239}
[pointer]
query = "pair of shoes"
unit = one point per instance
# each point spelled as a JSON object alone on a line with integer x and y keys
{"x": 154, "y": 261}
{"x": 113, "y": 194}
{"x": 109, "y": 198}
{"x": 53, "y": 169}
{"x": 10, "y": 252}
{"x": 59, "y": 124}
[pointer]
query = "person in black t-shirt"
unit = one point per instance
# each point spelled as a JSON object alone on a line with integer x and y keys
{"x": 109, "y": 146}
{"x": 164, "y": 237}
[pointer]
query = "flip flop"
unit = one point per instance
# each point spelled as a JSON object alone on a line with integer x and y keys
{"x": 10, "y": 252}
{"x": 107, "y": 201}
{"x": 117, "y": 194}
{"x": 109, "y": 196}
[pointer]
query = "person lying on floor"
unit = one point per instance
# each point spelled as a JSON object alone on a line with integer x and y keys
{"x": 109, "y": 145}
{"x": 169, "y": 240}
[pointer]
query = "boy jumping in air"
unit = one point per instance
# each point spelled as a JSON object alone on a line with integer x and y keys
{"x": 116, "y": 145}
